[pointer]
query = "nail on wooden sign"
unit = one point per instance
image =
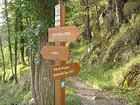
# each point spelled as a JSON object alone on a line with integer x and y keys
{"x": 66, "y": 33}
{"x": 55, "y": 52}
{"x": 65, "y": 70}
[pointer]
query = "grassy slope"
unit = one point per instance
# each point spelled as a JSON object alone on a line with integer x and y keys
{"x": 15, "y": 93}
{"x": 102, "y": 75}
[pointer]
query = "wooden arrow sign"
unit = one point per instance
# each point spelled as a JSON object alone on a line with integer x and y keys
{"x": 66, "y": 33}
{"x": 55, "y": 52}
{"x": 65, "y": 70}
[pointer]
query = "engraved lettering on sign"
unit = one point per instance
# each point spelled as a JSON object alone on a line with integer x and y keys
{"x": 61, "y": 68}
{"x": 55, "y": 52}
{"x": 57, "y": 18}
{"x": 68, "y": 72}
{"x": 67, "y": 33}
{"x": 63, "y": 73}
{"x": 61, "y": 34}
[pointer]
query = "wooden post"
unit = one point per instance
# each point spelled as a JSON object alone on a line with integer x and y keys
{"x": 60, "y": 84}
{"x": 60, "y": 52}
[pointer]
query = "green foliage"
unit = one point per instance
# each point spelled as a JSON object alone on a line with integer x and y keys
{"x": 72, "y": 98}
{"x": 15, "y": 93}
{"x": 78, "y": 51}
{"x": 132, "y": 8}
{"x": 9, "y": 94}
{"x": 125, "y": 44}
{"x": 74, "y": 14}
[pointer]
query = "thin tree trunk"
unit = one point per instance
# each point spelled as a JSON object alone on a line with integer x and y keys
{"x": 32, "y": 70}
{"x": 3, "y": 60}
{"x": 22, "y": 41}
{"x": 28, "y": 21}
{"x": 15, "y": 46}
{"x": 9, "y": 36}
{"x": 87, "y": 20}
{"x": 97, "y": 16}
{"x": 31, "y": 58}
{"x": 15, "y": 65}
{"x": 119, "y": 11}
{"x": 17, "y": 28}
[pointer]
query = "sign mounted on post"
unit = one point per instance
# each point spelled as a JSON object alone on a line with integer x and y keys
{"x": 60, "y": 52}
{"x": 67, "y": 33}
{"x": 55, "y": 52}
{"x": 65, "y": 70}
{"x": 59, "y": 15}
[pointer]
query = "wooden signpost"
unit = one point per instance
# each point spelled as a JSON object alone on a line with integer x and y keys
{"x": 67, "y": 33}
{"x": 60, "y": 53}
{"x": 65, "y": 70}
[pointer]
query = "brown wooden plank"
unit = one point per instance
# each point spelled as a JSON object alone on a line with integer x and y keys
{"x": 60, "y": 53}
{"x": 66, "y": 33}
{"x": 65, "y": 70}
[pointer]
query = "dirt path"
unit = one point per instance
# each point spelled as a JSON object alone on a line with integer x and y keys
{"x": 90, "y": 95}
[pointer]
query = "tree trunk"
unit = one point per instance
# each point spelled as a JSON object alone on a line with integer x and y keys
{"x": 15, "y": 45}
{"x": 9, "y": 36}
{"x": 44, "y": 85}
{"x": 119, "y": 11}
{"x": 32, "y": 75}
{"x": 87, "y": 20}
{"x": 22, "y": 41}
{"x": 15, "y": 65}
{"x": 3, "y": 60}
{"x": 97, "y": 17}
{"x": 31, "y": 59}
{"x": 28, "y": 21}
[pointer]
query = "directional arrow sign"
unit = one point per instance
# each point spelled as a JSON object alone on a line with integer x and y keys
{"x": 55, "y": 52}
{"x": 65, "y": 70}
{"x": 66, "y": 33}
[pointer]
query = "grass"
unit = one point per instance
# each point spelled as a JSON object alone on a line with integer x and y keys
{"x": 78, "y": 51}
{"x": 11, "y": 92}
{"x": 72, "y": 98}
{"x": 95, "y": 74}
